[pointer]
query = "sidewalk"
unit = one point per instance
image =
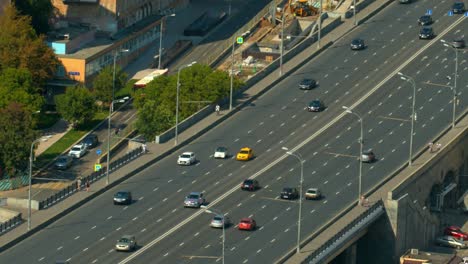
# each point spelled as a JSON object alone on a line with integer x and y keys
{"x": 52, "y": 135}
{"x": 45, "y": 217}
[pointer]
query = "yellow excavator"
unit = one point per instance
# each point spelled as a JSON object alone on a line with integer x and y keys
{"x": 302, "y": 8}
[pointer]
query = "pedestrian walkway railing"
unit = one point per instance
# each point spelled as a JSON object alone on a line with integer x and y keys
{"x": 84, "y": 182}
{"x": 346, "y": 233}
{"x": 10, "y": 224}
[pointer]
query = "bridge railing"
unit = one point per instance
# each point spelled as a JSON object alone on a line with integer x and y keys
{"x": 323, "y": 251}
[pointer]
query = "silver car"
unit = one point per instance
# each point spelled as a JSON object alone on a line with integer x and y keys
{"x": 449, "y": 241}
{"x": 194, "y": 199}
{"x": 63, "y": 162}
{"x": 126, "y": 243}
{"x": 217, "y": 221}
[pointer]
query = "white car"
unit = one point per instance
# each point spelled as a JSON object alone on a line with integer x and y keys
{"x": 220, "y": 153}
{"x": 186, "y": 158}
{"x": 78, "y": 151}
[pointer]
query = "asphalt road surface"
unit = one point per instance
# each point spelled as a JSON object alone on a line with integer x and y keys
{"x": 328, "y": 141}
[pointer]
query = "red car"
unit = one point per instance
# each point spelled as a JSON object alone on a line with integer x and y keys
{"x": 456, "y": 232}
{"x": 247, "y": 224}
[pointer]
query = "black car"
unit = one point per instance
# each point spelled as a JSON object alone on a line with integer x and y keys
{"x": 426, "y": 33}
{"x": 458, "y": 8}
{"x": 250, "y": 185}
{"x": 316, "y": 106}
{"x": 63, "y": 162}
{"x": 90, "y": 141}
{"x": 307, "y": 84}
{"x": 425, "y": 20}
{"x": 458, "y": 43}
{"x": 357, "y": 44}
{"x": 289, "y": 193}
{"x": 123, "y": 197}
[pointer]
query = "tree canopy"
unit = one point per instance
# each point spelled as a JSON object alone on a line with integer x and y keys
{"x": 39, "y": 10}
{"x": 102, "y": 84}
{"x": 77, "y": 105}
{"x": 17, "y": 85}
{"x": 156, "y": 103}
{"x": 16, "y": 136}
{"x": 21, "y": 48}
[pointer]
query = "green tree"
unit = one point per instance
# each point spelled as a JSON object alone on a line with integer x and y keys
{"x": 39, "y": 10}
{"x": 21, "y": 48}
{"x": 77, "y": 105}
{"x": 156, "y": 103}
{"x": 17, "y": 85}
{"x": 102, "y": 84}
{"x": 16, "y": 137}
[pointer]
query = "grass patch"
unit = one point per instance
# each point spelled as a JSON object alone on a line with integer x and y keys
{"x": 46, "y": 120}
{"x": 68, "y": 140}
{"x": 127, "y": 90}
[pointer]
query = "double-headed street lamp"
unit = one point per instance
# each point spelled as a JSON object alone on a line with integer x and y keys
{"x": 215, "y": 212}
{"x": 454, "y": 88}
{"x": 413, "y": 114}
{"x": 160, "y": 38}
{"x": 30, "y": 181}
{"x": 111, "y": 109}
{"x": 176, "y": 136}
{"x": 301, "y": 181}
{"x": 361, "y": 144}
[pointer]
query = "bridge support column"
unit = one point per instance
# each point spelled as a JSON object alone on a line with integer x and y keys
{"x": 350, "y": 254}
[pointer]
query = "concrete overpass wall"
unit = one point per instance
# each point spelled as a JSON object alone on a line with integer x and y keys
{"x": 409, "y": 204}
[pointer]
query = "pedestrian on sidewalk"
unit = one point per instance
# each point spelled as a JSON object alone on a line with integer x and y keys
{"x": 87, "y": 185}
{"x": 143, "y": 148}
{"x": 217, "y": 109}
{"x": 78, "y": 184}
{"x": 431, "y": 147}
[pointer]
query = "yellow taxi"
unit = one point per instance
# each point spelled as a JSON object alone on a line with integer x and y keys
{"x": 245, "y": 154}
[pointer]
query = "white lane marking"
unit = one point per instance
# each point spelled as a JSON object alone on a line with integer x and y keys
{"x": 110, "y": 217}
{"x": 159, "y": 220}
{"x": 102, "y": 238}
{"x": 306, "y": 141}
{"x": 118, "y": 228}
{"x": 155, "y": 189}
{"x": 143, "y": 230}
{"x": 85, "y": 249}
{"x": 59, "y": 248}
{"x": 41, "y": 259}
{"x": 94, "y": 261}
{"x": 93, "y": 227}
{"x": 77, "y": 237}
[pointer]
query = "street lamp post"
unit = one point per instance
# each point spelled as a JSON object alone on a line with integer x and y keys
{"x": 413, "y": 114}
{"x": 354, "y": 12}
{"x": 215, "y": 212}
{"x": 301, "y": 181}
{"x": 454, "y": 88}
{"x": 111, "y": 109}
{"x": 282, "y": 44}
{"x": 232, "y": 75}
{"x": 176, "y": 137}
{"x": 361, "y": 144}
{"x": 30, "y": 181}
{"x": 319, "y": 25}
{"x": 160, "y": 39}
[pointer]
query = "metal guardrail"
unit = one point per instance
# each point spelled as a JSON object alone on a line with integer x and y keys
{"x": 93, "y": 177}
{"x": 318, "y": 254}
{"x": 10, "y": 224}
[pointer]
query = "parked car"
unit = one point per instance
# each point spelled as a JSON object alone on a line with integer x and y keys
{"x": 313, "y": 194}
{"x": 186, "y": 158}
{"x": 250, "y": 185}
{"x": 220, "y": 153}
{"x": 78, "y": 151}
{"x": 90, "y": 141}
{"x": 63, "y": 162}
{"x": 126, "y": 243}
{"x": 425, "y": 20}
{"x": 217, "y": 221}
{"x": 194, "y": 199}
{"x": 316, "y": 106}
{"x": 449, "y": 241}
{"x": 123, "y": 197}
{"x": 357, "y": 44}
{"x": 247, "y": 224}
{"x": 456, "y": 232}
{"x": 289, "y": 193}
{"x": 458, "y": 7}
{"x": 458, "y": 43}
{"x": 368, "y": 156}
{"x": 426, "y": 33}
{"x": 245, "y": 154}
{"x": 307, "y": 84}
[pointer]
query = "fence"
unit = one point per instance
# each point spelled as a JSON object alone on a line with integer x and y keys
{"x": 14, "y": 182}
{"x": 93, "y": 177}
{"x": 322, "y": 250}
{"x": 10, "y": 223}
